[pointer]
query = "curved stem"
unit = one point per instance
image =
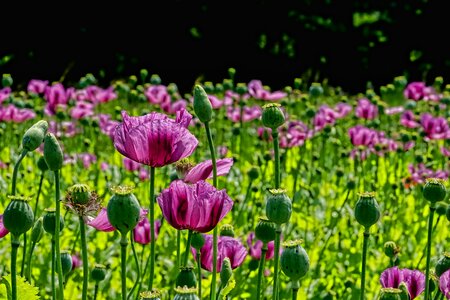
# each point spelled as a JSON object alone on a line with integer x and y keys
{"x": 16, "y": 170}
{"x": 136, "y": 260}
{"x": 14, "y": 246}
{"x": 152, "y": 227}
{"x": 363, "y": 264}
{"x": 276, "y": 149}
{"x": 199, "y": 271}
{"x": 85, "y": 258}
{"x": 261, "y": 271}
{"x": 276, "y": 262}
{"x": 123, "y": 253}
{"x": 188, "y": 247}
{"x": 53, "y": 269}
{"x": 427, "y": 270}
{"x": 57, "y": 229}
{"x": 30, "y": 254}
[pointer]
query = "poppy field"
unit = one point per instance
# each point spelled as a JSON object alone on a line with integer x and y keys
{"x": 233, "y": 190}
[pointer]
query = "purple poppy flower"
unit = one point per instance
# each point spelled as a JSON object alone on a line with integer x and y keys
{"x": 157, "y": 94}
{"x": 226, "y": 247}
{"x": 435, "y": 128}
{"x": 415, "y": 90}
{"x": 366, "y": 110}
{"x": 445, "y": 151}
{"x": 444, "y": 284}
{"x": 16, "y": 115}
{"x": 257, "y": 91}
{"x": 4, "y": 94}
{"x": 391, "y": 278}
{"x": 255, "y": 247}
{"x": 76, "y": 261}
{"x": 141, "y": 232}
{"x": 130, "y": 165}
{"x": 408, "y": 120}
{"x": 82, "y": 110}
{"x": 414, "y": 280}
{"x": 248, "y": 113}
{"x": 204, "y": 170}
{"x": 37, "y": 86}
{"x": 56, "y": 96}
{"x": 198, "y": 207}
{"x": 155, "y": 139}
{"x": 3, "y": 230}
{"x": 292, "y": 134}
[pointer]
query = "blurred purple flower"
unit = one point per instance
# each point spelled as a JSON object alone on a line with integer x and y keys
{"x": 366, "y": 110}
{"x": 82, "y": 110}
{"x": 408, "y": 119}
{"x": 56, "y": 96}
{"x": 435, "y": 128}
{"x": 16, "y": 115}
{"x": 255, "y": 247}
{"x": 257, "y": 91}
{"x": 248, "y": 113}
{"x": 76, "y": 261}
{"x": 444, "y": 284}
{"x": 37, "y": 86}
{"x": 4, "y": 94}
{"x": 3, "y": 230}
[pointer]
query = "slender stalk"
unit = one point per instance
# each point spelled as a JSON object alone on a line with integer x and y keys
{"x": 178, "y": 248}
{"x": 136, "y": 260}
{"x": 123, "y": 253}
{"x": 85, "y": 258}
{"x": 363, "y": 264}
{"x": 295, "y": 288}
{"x": 276, "y": 149}
{"x": 30, "y": 254}
{"x": 24, "y": 254}
{"x": 215, "y": 238}
{"x": 199, "y": 272}
{"x": 38, "y": 194}
{"x": 188, "y": 247}
{"x": 15, "y": 243}
{"x": 95, "y": 291}
{"x": 427, "y": 270}
{"x": 276, "y": 262}
{"x": 152, "y": 227}
{"x": 53, "y": 269}
{"x": 57, "y": 229}
{"x": 16, "y": 170}
{"x": 261, "y": 271}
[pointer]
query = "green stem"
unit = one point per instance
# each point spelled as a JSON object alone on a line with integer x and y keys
{"x": 53, "y": 269}
{"x": 276, "y": 149}
{"x": 199, "y": 272}
{"x": 188, "y": 247}
{"x": 363, "y": 264}
{"x": 38, "y": 194}
{"x": 136, "y": 260}
{"x": 30, "y": 254}
{"x": 24, "y": 254}
{"x": 123, "y": 252}
{"x": 152, "y": 227}
{"x": 95, "y": 291}
{"x": 57, "y": 229}
{"x": 276, "y": 262}
{"x": 16, "y": 170}
{"x": 85, "y": 258}
{"x": 15, "y": 243}
{"x": 178, "y": 248}
{"x": 295, "y": 288}
{"x": 427, "y": 270}
{"x": 261, "y": 271}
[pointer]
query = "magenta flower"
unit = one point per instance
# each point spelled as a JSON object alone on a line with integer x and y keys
{"x": 204, "y": 170}
{"x": 257, "y": 91}
{"x": 157, "y": 94}
{"x": 56, "y": 96}
{"x": 409, "y": 120}
{"x": 366, "y": 110}
{"x": 155, "y": 139}
{"x": 173, "y": 107}
{"x": 226, "y": 247}
{"x": 37, "y": 86}
{"x": 130, "y": 165}
{"x": 102, "y": 223}
{"x": 435, "y": 128}
{"x": 4, "y": 94}
{"x": 414, "y": 280}
{"x": 3, "y": 230}
{"x": 415, "y": 91}
{"x": 362, "y": 136}
{"x": 16, "y": 115}
{"x": 198, "y": 207}
{"x": 444, "y": 284}
{"x": 248, "y": 113}
{"x": 96, "y": 94}
{"x": 421, "y": 172}
{"x": 76, "y": 261}
{"x": 107, "y": 126}
{"x": 141, "y": 232}
{"x": 82, "y": 110}
{"x": 445, "y": 151}
{"x": 342, "y": 110}
{"x": 293, "y": 134}
{"x": 255, "y": 247}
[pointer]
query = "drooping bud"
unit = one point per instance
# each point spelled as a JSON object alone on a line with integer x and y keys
{"x": 390, "y": 294}
{"x": 434, "y": 190}
{"x": 197, "y": 241}
{"x": 155, "y": 294}
{"x": 123, "y": 209}
{"x": 80, "y": 193}
{"x": 42, "y": 165}
{"x": 265, "y": 230}
{"x": 227, "y": 230}
{"x": 278, "y": 206}
{"x": 185, "y": 293}
{"x": 38, "y": 231}
{"x": 18, "y": 216}
{"x": 98, "y": 273}
{"x": 272, "y": 116}
{"x": 34, "y": 136}
{"x": 294, "y": 260}
{"x": 186, "y": 277}
{"x": 443, "y": 264}
{"x": 367, "y": 211}
{"x": 52, "y": 152}
{"x": 391, "y": 249}
{"x": 226, "y": 272}
{"x": 202, "y": 105}
{"x": 66, "y": 262}
{"x": 49, "y": 221}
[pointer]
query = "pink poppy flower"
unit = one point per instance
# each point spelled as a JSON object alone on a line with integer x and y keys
{"x": 56, "y": 96}
{"x": 366, "y": 110}
{"x": 248, "y": 113}
{"x": 444, "y": 284}
{"x": 16, "y": 115}
{"x": 157, "y": 94}
{"x": 414, "y": 280}
{"x": 141, "y": 232}
{"x": 204, "y": 170}
{"x": 155, "y": 139}
{"x": 4, "y": 94}
{"x": 76, "y": 261}
{"x": 409, "y": 120}
{"x": 3, "y": 230}
{"x": 255, "y": 247}
{"x": 82, "y": 110}
{"x": 198, "y": 207}
{"x": 37, "y": 86}
{"x": 257, "y": 91}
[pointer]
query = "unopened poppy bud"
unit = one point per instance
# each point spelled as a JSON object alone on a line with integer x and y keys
{"x": 66, "y": 262}
{"x": 143, "y": 73}
{"x": 391, "y": 249}
{"x": 227, "y": 84}
{"x": 404, "y": 295}
{"x": 441, "y": 208}
{"x": 241, "y": 88}
{"x": 202, "y": 105}
{"x": 278, "y": 206}
{"x": 123, "y": 209}
{"x": 52, "y": 152}
{"x": 7, "y": 80}
{"x": 185, "y": 293}
{"x": 297, "y": 83}
{"x": 272, "y": 116}
{"x": 218, "y": 88}
{"x": 186, "y": 277}
{"x": 155, "y": 294}
{"x": 209, "y": 87}
{"x": 390, "y": 294}
{"x": 197, "y": 241}
{"x": 155, "y": 79}
{"x": 38, "y": 230}
{"x": 18, "y": 215}
{"x": 34, "y": 136}
{"x": 227, "y": 230}
{"x": 253, "y": 173}
{"x": 434, "y": 190}
{"x": 226, "y": 272}
{"x": 231, "y": 72}
{"x": 367, "y": 212}
{"x": 42, "y": 165}
{"x": 265, "y": 230}
{"x": 315, "y": 90}
{"x": 443, "y": 264}
{"x": 294, "y": 260}
{"x": 132, "y": 80}
{"x": 80, "y": 193}
{"x": 98, "y": 273}
{"x": 49, "y": 221}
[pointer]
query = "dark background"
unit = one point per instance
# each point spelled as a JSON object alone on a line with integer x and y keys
{"x": 347, "y": 42}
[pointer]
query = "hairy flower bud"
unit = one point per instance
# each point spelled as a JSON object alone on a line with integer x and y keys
{"x": 202, "y": 105}
{"x": 38, "y": 230}
{"x": 226, "y": 272}
{"x": 42, "y": 165}
{"x": 52, "y": 152}
{"x": 34, "y": 136}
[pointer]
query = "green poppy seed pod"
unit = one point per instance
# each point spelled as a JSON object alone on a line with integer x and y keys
{"x": 272, "y": 116}
{"x": 185, "y": 293}
{"x": 42, "y": 165}
{"x": 80, "y": 193}
{"x": 434, "y": 190}
{"x": 202, "y": 105}
{"x": 155, "y": 79}
{"x": 278, "y": 206}
{"x": 18, "y": 216}
{"x": 34, "y": 136}
{"x": 225, "y": 272}
{"x": 208, "y": 87}
{"x": 294, "y": 260}
{"x": 7, "y": 80}
{"x": 227, "y": 84}
{"x": 315, "y": 90}
{"x": 123, "y": 209}
{"x": 443, "y": 264}
{"x": 186, "y": 277}
{"x": 241, "y": 88}
{"x": 66, "y": 262}
{"x": 155, "y": 294}
{"x": 132, "y": 80}
{"x": 49, "y": 221}
{"x": 38, "y": 230}
{"x": 98, "y": 273}
{"x": 253, "y": 173}
{"x": 52, "y": 152}
{"x": 144, "y": 74}
{"x": 391, "y": 249}
{"x": 265, "y": 230}
{"x": 404, "y": 295}
{"x": 390, "y": 294}
{"x": 231, "y": 72}
{"x": 441, "y": 208}
{"x": 197, "y": 241}
{"x": 367, "y": 212}
{"x": 218, "y": 88}
{"x": 227, "y": 230}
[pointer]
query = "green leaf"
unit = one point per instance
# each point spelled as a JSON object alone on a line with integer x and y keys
{"x": 24, "y": 289}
